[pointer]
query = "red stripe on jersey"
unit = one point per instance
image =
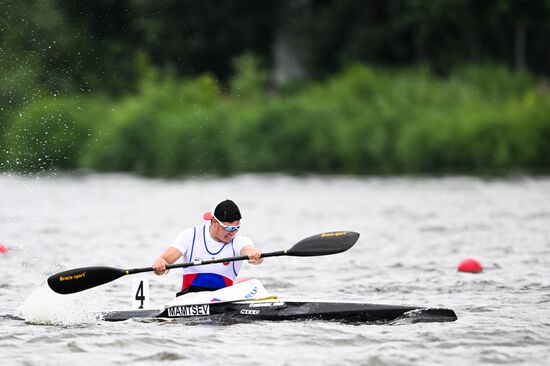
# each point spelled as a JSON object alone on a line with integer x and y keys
{"x": 188, "y": 280}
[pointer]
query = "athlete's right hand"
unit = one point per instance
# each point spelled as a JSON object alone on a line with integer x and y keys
{"x": 159, "y": 265}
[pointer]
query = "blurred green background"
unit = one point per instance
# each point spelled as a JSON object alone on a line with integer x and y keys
{"x": 172, "y": 88}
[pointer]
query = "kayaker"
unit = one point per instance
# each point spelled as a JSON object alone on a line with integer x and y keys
{"x": 219, "y": 239}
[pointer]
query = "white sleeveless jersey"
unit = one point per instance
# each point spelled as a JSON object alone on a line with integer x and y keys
{"x": 196, "y": 244}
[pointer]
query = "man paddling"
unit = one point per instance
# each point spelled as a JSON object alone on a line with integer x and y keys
{"x": 219, "y": 239}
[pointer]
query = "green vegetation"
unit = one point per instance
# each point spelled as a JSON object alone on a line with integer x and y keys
{"x": 362, "y": 121}
{"x": 183, "y": 87}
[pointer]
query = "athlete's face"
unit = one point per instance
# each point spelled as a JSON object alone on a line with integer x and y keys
{"x": 221, "y": 232}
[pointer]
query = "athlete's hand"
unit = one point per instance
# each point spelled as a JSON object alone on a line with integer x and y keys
{"x": 254, "y": 255}
{"x": 159, "y": 265}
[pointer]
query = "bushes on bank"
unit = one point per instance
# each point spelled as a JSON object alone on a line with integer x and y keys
{"x": 363, "y": 121}
{"x": 166, "y": 130}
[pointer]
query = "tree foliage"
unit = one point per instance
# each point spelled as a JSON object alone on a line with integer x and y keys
{"x": 58, "y": 55}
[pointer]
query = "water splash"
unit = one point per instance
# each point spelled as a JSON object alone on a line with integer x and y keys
{"x": 43, "y": 306}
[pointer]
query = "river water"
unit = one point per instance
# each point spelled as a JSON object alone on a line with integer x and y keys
{"x": 414, "y": 233}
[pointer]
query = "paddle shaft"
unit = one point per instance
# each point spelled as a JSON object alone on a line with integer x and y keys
{"x": 207, "y": 261}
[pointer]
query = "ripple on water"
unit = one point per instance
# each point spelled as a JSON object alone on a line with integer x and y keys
{"x": 48, "y": 339}
{"x": 162, "y": 356}
{"x": 478, "y": 309}
{"x": 74, "y": 347}
{"x": 499, "y": 356}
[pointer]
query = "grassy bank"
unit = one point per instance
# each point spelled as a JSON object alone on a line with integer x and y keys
{"x": 482, "y": 120}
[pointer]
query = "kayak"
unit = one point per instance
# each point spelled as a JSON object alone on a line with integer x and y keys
{"x": 278, "y": 310}
{"x": 249, "y": 301}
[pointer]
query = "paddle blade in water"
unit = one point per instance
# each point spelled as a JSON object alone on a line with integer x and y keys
{"x": 80, "y": 279}
{"x": 324, "y": 244}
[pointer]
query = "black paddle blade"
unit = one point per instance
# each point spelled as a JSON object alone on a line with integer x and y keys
{"x": 80, "y": 279}
{"x": 324, "y": 244}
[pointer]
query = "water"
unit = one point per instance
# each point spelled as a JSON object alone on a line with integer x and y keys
{"x": 414, "y": 232}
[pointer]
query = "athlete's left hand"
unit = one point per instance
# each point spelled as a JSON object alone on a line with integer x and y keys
{"x": 254, "y": 255}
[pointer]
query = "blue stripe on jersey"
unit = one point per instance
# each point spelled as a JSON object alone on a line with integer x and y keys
{"x": 192, "y": 245}
{"x": 233, "y": 264}
{"x": 206, "y": 246}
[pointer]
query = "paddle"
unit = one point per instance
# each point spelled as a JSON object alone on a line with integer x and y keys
{"x": 80, "y": 279}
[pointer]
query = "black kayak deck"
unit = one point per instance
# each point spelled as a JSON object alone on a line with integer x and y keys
{"x": 279, "y": 310}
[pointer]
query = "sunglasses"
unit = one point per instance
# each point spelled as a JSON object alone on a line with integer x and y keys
{"x": 228, "y": 228}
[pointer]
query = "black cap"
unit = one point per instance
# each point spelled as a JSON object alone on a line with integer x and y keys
{"x": 227, "y": 211}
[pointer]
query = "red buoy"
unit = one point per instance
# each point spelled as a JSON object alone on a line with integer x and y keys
{"x": 470, "y": 265}
{"x": 3, "y": 248}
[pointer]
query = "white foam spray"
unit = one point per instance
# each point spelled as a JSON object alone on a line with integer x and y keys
{"x": 43, "y": 306}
